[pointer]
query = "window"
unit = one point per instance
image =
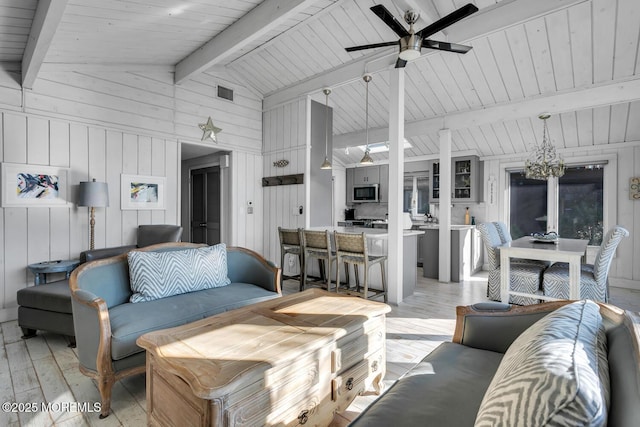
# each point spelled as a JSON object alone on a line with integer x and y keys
{"x": 419, "y": 185}
{"x": 578, "y": 212}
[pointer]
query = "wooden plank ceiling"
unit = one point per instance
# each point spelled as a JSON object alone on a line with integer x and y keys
{"x": 579, "y": 46}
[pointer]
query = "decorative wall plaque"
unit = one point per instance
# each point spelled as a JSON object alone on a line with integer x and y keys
{"x": 281, "y": 163}
{"x": 634, "y": 188}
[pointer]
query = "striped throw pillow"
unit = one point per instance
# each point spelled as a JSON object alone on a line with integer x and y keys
{"x": 554, "y": 373}
{"x": 155, "y": 275}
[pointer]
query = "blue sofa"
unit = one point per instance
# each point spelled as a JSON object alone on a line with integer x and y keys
{"x": 107, "y": 325}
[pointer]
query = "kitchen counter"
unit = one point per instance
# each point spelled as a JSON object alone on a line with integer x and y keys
{"x": 377, "y": 244}
{"x": 370, "y": 233}
{"x": 452, "y": 227}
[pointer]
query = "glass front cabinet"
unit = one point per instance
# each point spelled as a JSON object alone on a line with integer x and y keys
{"x": 466, "y": 180}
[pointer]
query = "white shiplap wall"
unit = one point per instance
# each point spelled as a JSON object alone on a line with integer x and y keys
{"x": 103, "y": 124}
{"x": 285, "y": 136}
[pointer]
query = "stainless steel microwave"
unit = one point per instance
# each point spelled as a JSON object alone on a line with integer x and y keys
{"x": 366, "y": 193}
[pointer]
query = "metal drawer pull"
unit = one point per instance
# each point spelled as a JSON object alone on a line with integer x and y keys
{"x": 349, "y": 383}
{"x": 304, "y": 416}
{"x": 374, "y": 366}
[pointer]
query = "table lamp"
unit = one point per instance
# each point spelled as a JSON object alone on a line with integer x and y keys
{"x": 94, "y": 195}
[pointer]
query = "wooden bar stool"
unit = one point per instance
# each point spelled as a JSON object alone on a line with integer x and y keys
{"x": 291, "y": 243}
{"x": 352, "y": 249}
{"x": 317, "y": 244}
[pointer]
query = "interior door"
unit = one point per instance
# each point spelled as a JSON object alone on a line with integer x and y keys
{"x": 205, "y": 205}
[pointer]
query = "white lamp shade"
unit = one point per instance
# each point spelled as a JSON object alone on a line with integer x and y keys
{"x": 93, "y": 194}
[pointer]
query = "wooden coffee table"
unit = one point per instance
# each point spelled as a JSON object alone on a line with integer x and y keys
{"x": 287, "y": 361}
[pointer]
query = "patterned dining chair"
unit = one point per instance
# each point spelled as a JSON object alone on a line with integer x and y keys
{"x": 525, "y": 277}
{"x": 594, "y": 283}
{"x": 505, "y": 237}
{"x": 291, "y": 243}
{"x": 352, "y": 249}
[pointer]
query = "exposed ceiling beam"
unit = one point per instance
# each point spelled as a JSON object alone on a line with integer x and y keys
{"x": 597, "y": 95}
{"x": 45, "y": 23}
{"x": 53, "y": 67}
{"x": 261, "y": 19}
{"x": 488, "y": 20}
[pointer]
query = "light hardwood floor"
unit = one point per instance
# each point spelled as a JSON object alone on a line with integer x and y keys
{"x": 44, "y": 370}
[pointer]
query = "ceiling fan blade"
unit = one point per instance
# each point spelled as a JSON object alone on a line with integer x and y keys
{"x": 450, "y": 19}
{"x": 370, "y": 46}
{"x": 450, "y": 47}
{"x": 400, "y": 63}
{"x": 384, "y": 14}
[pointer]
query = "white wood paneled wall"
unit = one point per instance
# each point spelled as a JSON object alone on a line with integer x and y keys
{"x": 625, "y": 271}
{"x": 284, "y": 138}
{"x": 32, "y": 235}
{"x": 102, "y": 124}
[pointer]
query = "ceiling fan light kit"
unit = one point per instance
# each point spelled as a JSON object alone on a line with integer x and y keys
{"x": 412, "y": 42}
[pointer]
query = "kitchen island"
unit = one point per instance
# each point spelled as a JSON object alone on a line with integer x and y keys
{"x": 377, "y": 244}
{"x": 466, "y": 251}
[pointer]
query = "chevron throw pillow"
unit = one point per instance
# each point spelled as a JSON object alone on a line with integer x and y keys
{"x": 554, "y": 373}
{"x": 155, "y": 275}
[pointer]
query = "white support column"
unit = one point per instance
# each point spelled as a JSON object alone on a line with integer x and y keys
{"x": 396, "y": 172}
{"x": 444, "y": 266}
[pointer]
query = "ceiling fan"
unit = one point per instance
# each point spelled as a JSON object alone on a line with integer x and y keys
{"x": 411, "y": 41}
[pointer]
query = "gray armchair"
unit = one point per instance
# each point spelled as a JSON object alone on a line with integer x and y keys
{"x": 47, "y": 307}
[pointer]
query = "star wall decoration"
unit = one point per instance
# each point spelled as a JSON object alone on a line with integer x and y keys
{"x": 209, "y": 130}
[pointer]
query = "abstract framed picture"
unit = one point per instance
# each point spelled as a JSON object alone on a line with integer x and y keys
{"x": 34, "y": 186}
{"x": 142, "y": 192}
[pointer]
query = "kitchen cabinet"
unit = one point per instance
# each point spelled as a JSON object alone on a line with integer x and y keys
{"x": 466, "y": 180}
{"x": 420, "y": 250}
{"x": 383, "y": 189}
{"x": 465, "y": 253}
{"x": 366, "y": 175}
{"x": 349, "y": 180}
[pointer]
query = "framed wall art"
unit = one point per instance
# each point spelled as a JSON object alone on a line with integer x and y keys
{"x": 142, "y": 192}
{"x": 34, "y": 186}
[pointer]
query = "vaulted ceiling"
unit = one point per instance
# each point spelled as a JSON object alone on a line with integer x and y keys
{"x": 577, "y": 59}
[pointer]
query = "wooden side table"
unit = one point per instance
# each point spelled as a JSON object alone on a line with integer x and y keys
{"x": 41, "y": 269}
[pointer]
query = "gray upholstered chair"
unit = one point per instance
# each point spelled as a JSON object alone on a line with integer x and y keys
{"x": 594, "y": 283}
{"x": 525, "y": 277}
{"x": 291, "y": 243}
{"x": 505, "y": 237}
{"x": 47, "y": 307}
{"x": 352, "y": 249}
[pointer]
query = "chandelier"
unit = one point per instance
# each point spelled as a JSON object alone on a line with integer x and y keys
{"x": 544, "y": 162}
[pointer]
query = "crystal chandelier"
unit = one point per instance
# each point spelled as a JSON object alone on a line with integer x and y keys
{"x": 544, "y": 162}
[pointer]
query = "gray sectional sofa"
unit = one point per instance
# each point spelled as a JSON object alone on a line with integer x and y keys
{"x": 107, "y": 324}
{"x": 481, "y": 379}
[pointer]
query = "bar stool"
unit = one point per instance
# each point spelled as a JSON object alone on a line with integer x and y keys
{"x": 317, "y": 244}
{"x": 291, "y": 243}
{"x": 352, "y": 249}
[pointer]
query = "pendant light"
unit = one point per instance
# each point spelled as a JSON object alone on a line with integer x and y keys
{"x": 366, "y": 159}
{"x": 326, "y": 164}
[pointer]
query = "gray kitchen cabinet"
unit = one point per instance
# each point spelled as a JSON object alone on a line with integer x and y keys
{"x": 466, "y": 180}
{"x": 366, "y": 175}
{"x": 420, "y": 250}
{"x": 350, "y": 185}
{"x": 463, "y": 256}
{"x": 383, "y": 189}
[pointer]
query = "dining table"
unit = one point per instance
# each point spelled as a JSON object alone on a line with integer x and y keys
{"x": 572, "y": 251}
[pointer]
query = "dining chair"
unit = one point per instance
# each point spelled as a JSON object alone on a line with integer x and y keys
{"x": 291, "y": 243}
{"x": 317, "y": 245}
{"x": 594, "y": 283}
{"x": 524, "y": 277}
{"x": 352, "y": 249}
{"x": 505, "y": 237}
